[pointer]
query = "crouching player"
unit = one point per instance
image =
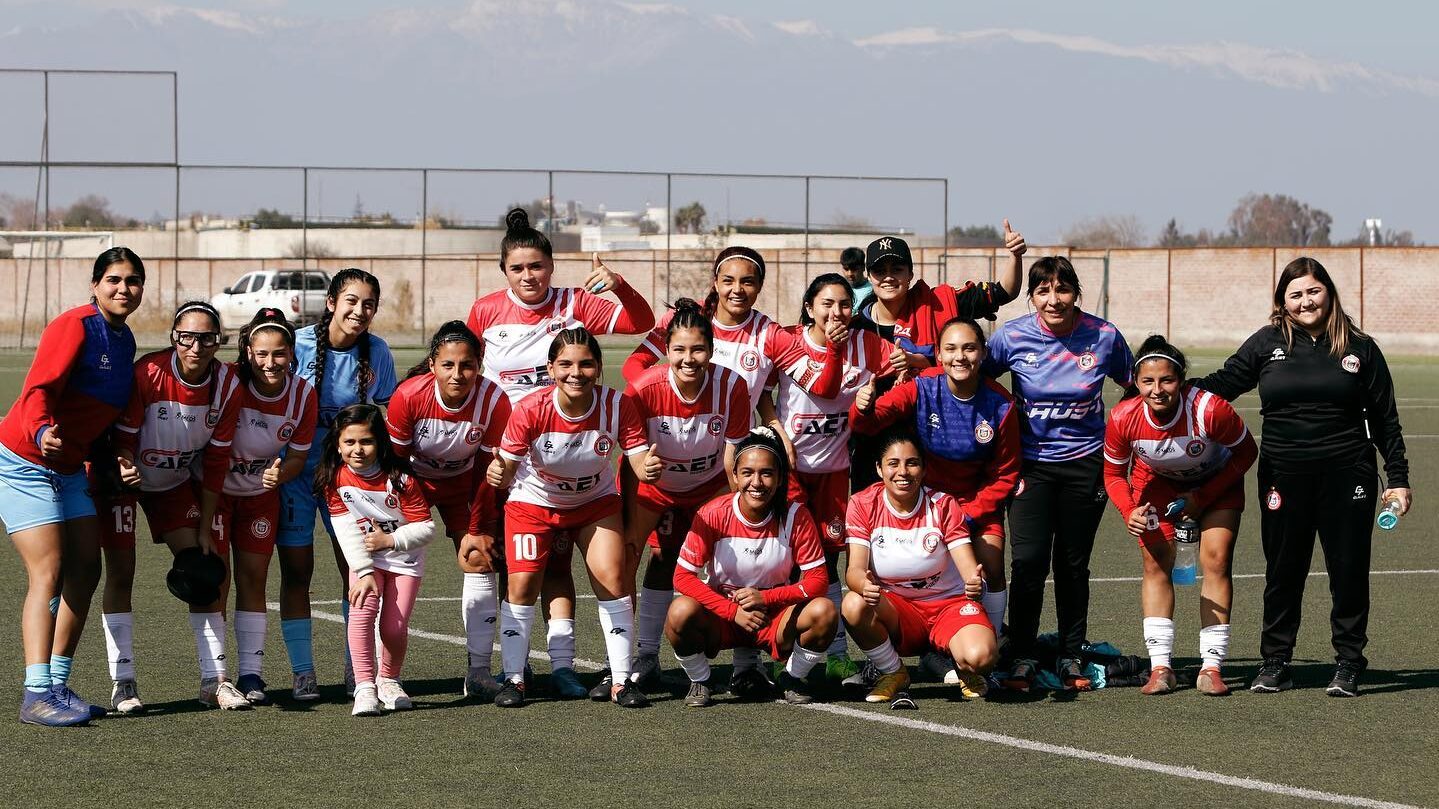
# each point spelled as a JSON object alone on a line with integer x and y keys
{"x": 913, "y": 579}
{"x": 751, "y": 541}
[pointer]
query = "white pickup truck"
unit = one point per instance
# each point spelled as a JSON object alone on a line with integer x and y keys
{"x": 300, "y": 294}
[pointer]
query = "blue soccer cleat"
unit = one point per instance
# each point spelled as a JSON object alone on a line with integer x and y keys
{"x": 51, "y": 709}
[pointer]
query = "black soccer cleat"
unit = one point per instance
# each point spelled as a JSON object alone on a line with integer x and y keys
{"x": 602, "y": 689}
{"x": 512, "y": 695}
{"x": 630, "y": 696}
{"x": 750, "y": 685}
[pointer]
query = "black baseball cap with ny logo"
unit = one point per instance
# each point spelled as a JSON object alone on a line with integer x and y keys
{"x": 885, "y": 247}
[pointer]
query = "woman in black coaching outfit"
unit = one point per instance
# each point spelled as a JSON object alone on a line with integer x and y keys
{"x": 1328, "y": 402}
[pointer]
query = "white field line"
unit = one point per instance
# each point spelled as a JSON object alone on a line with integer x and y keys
{"x": 1127, "y": 762}
{"x": 1107, "y": 580}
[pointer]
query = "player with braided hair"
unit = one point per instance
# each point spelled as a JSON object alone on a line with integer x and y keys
{"x": 346, "y": 364}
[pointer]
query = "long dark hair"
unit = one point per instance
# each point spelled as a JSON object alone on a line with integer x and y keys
{"x": 366, "y": 374}
{"x": 689, "y": 315}
{"x": 766, "y": 438}
{"x": 453, "y": 331}
{"x": 519, "y": 234}
{"x": 113, "y": 256}
{"x": 195, "y": 306}
{"x": 269, "y": 317}
{"x": 820, "y": 282}
{"x": 743, "y": 253}
{"x": 391, "y": 463}
{"x": 1339, "y": 326}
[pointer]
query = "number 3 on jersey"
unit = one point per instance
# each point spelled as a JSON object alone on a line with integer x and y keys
{"x": 526, "y": 547}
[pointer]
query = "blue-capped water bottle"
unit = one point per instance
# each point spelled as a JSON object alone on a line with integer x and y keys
{"x": 1186, "y": 545}
{"x": 1388, "y": 518}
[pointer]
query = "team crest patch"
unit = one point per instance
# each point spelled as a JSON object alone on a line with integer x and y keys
{"x": 561, "y": 543}
{"x": 834, "y": 528}
{"x": 212, "y": 418}
{"x": 816, "y": 366}
{"x": 193, "y": 513}
{"x": 603, "y": 445}
{"x": 970, "y": 608}
{"x": 286, "y": 431}
{"x": 1273, "y": 501}
{"x": 1086, "y": 361}
{"x": 392, "y": 500}
{"x": 473, "y": 436}
{"x": 1350, "y": 363}
{"x": 716, "y": 425}
{"x": 1195, "y": 448}
{"x": 983, "y": 433}
{"x": 930, "y": 542}
{"x": 749, "y": 360}
{"x": 260, "y": 528}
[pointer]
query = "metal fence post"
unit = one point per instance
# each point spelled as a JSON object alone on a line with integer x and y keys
{"x": 424, "y": 247}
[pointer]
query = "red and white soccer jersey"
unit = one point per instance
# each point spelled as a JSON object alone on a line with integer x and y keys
{"x": 169, "y": 421}
{"x": 739, "y": 554}
{"x": 909, "y": 553}
{"x": 567, "y": 462}
{"x": 689, "y": 436}
{"x": 1194, "y": 444}
{"x": 243, "y": 447}
{"x": 819, "y": 427}
{"x": 376, "y": 504}
{"x": 752, "y": 349}
{"x": 517, "y": 336}
{"x": 441, "y": 441}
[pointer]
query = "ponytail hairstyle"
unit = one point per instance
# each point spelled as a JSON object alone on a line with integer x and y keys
{"x": 689, "y": 315}
{"x": 366, "y": 375}
{"x": 1156, "y": 347}
{"x": 454, "y": 331}
{"x": 1338, "y": 326}
{"x": 820, "y": 282}
{"x": 578, "y": 336}
{"x": 519, "y": 234}
{"x": 395, "y": 466}
{"x": 736, "y": 252}
{"x": 765, "y": 438}
{"x": 266, "y": 318}
{"x": 113, "y": 256}
{"x": 964, "y": 321}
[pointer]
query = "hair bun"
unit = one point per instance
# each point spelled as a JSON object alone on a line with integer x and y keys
{"x": 686, "y": 304}
{"x": 517, "y": 219}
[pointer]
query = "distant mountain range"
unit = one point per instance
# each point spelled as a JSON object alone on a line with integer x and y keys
{"x": 1041, "y": 127}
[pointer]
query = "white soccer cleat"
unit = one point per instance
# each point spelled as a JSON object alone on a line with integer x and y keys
{"x": 222, "y": 694}
{"x": 125, "y": 698}
{"x": 393, "y": 697}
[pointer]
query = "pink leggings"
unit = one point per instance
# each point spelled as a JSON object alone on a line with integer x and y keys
{"x": 393, "y": 606}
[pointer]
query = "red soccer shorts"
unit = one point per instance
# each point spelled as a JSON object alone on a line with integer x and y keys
{"x": 826, "y": 494}
{"x": 117, "y": 521}
{"x": 926, "y": 625}
{"x": 533, "y": 533}
{"x": 248, "y": 523}
{"x": 677, "y": 511}
{"x": 767, "y": 637}
{"x": 452, "y": 498}
{"x": 1160, "y": 492}
{"x": 171, "y": 510}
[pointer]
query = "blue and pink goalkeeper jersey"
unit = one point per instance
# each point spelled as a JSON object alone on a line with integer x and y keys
{"x": 1059, "y": 381}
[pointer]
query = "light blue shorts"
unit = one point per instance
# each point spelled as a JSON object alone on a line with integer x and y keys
{"x": 33, "y": 495}
{"x": 297, "y": 512}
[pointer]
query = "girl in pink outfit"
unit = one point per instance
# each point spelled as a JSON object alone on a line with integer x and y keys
{"x": 383, "y": 523}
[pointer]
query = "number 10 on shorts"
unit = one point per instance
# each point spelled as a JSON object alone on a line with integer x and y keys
{"x": 526, "y": 547}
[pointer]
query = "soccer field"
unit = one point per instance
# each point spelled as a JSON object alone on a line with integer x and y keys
{"x": 1108, "y": 748}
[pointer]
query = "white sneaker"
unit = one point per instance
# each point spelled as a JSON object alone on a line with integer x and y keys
{"x": 306, "y": 687}
{"x": 222, "y": 694}
{"x": 125, "y": 697}
{"x": 367, "y": 701}
{"x": 393, "y": 697}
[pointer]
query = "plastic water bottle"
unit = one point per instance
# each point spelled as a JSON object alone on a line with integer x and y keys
{"x": 1389, "y": 515}
{"x": 1186, "y": 552}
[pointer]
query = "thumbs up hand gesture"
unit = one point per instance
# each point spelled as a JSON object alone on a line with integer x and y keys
{"x": 51, "y": 445}
{"x": 1013, "y": 240}
{"x": 601, "y": 278}
{"x": 271, "y": 477}
{"x": 129, "y": 474}
{"x": 864, "y": 397}
{"x": 974, "y": 585}
{"x": 653, "y": 467}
